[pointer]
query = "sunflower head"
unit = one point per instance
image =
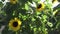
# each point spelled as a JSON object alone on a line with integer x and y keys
{"x": 53, "y": 1}
{"x": 40, "y": 6}
{"x": 14, "y": 24}
{"x": 13, "y": 1}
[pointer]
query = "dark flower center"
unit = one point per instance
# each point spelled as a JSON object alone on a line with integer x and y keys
{"x": 39, "y": 6}
{"x": 15, "y": 24}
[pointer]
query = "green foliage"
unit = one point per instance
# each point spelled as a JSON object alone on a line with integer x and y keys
{"x": 33, "y": 21}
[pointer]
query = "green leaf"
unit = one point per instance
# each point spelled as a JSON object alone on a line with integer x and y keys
{"x": 33, "y": 19}
{"x": 26, "y": 6}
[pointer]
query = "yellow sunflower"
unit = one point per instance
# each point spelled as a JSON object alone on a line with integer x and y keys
{"x": 40, "y": 6}
{"x": 13, "y": 1}
{"x": 14, "y": 24}
{"x": 53, "y": 1}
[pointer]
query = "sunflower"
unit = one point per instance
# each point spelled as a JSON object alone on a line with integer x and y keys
{"x": 14, "y": 24}
{"x": 40, "y": 6}
{"x": 53, "y": 1}
{"x": 13, "y": 1}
